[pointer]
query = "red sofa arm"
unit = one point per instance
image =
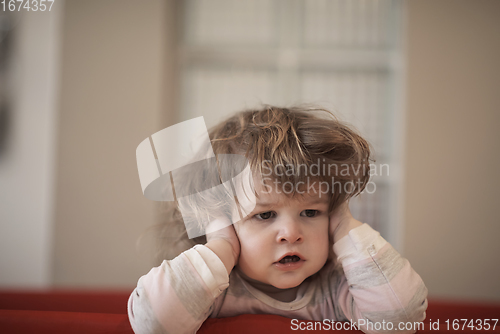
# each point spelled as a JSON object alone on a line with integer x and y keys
{"x": 102, "y": 312}
{"x": 53, "y": 322}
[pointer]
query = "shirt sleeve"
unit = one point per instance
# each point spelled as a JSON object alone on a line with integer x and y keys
{"x": 381, "y": 293}
{"x": 177, "y": 296}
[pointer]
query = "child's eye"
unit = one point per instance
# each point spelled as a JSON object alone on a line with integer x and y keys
{"x": 265, "y": 215}
{"x": 309, "y": 213}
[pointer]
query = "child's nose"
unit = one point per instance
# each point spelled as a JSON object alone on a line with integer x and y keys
{"x": 290, "y": 231}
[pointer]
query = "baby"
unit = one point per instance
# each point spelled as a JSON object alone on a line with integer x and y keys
{"x": 299, "y": 253}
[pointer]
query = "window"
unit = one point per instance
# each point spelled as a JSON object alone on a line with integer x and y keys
{"x": 344, "y": 55}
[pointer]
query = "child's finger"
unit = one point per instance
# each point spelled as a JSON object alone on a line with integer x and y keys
{"x": 217, "y": 224}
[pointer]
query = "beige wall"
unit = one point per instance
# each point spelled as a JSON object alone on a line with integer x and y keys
{"x": 27, "y": 160}
{"x": 453, "y": 144}
{"x": 113, "y": 96}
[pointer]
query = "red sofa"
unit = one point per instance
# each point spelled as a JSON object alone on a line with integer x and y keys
{"x": 106, "y": 312}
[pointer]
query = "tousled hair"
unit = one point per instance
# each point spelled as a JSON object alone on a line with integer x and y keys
{"x": 287, "y": 146}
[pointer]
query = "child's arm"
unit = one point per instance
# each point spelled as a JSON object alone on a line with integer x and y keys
{"x": 177, "y": 296}
{"x": 381, "y": 285}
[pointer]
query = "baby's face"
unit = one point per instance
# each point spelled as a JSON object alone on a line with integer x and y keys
{"x": 284, "y": 241}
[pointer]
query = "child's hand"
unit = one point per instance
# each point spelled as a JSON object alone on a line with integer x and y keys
{"x": 223, "y": 242}
{"x": 341, "y": 222}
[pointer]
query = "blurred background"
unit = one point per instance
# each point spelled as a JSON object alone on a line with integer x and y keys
{"x": 83, "y": 84}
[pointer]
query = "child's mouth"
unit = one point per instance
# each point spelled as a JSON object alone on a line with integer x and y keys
{"x": 288, "y": 259}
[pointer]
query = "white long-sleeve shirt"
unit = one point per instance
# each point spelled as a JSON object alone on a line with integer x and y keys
{"x": 372, "y": 283}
